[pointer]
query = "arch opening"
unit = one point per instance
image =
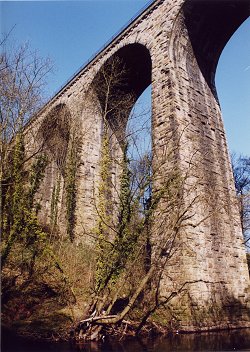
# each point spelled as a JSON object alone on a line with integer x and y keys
{"x": 232, "y": 82}
{"x": 233, "y": 86}
{"x": 119, "y": 83}
{"x": 55, "y": 134}
{"x": 139, "y": 137}
{"x": 126, "y": 124}
{"x": 210, "y": 24}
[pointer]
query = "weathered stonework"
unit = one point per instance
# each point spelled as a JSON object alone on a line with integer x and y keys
{"x": 175, "y": 45}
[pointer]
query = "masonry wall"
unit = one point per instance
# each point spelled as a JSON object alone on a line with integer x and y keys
{"x": 212, "y": 251}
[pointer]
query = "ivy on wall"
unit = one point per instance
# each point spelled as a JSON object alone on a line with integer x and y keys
{"x": 61, "y": 138}
{"x": 54, "y": 202}
{"x": 104, "y": 247}
{"x": 70, "y": 187}
{"x": 20, "y": 223}
{"x": 114, "y": 247}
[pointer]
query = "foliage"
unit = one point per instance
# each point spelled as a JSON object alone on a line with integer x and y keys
{"x": 31, "y": 272}
{"x": 13, "y": 211}
{"x": 104, "y": 247}
{"x": 22, "y": 79}
{"x": 30, "y": 263}
{"x": 54, "y": 203}
{"x": 19, "y": 209}
{"x": 113, "y": 257}
{"x": 70, "y": 187}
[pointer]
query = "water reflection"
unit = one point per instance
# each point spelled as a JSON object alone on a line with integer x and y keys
{"x": 236, "y": 340}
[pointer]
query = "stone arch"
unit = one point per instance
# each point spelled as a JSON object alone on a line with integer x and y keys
{"x": 55, "y": 134}
{"x": 210, "y": 24}
{"x": 133, "y": 65}
{"x": 114, "y": 90}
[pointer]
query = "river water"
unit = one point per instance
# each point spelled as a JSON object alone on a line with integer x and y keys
{"x": 234, "y": 340}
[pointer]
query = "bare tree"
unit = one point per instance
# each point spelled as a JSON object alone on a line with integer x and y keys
{"x": 29, "y": 261}
{"x": 241, "y": 172}
{"x": 23, "y": 77}
{"x": 133, "y": 250}
{"x": 22, "y": 81}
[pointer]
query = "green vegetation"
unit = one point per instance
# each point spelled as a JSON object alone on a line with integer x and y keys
{"x": 70, "y": 188}
{"x": 35, "y": 284}
{"x": 54, "y": 203}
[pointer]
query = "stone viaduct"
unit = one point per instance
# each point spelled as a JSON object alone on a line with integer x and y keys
{"x": 175, "y": 46}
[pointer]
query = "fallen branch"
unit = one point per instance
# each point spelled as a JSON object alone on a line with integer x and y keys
{"x": 95, "y": 319}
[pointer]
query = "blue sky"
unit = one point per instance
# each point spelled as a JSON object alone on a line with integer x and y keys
{"x": 69, "y": 32}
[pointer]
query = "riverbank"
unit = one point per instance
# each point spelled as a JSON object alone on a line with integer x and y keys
{"x": 230, "y": 340}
